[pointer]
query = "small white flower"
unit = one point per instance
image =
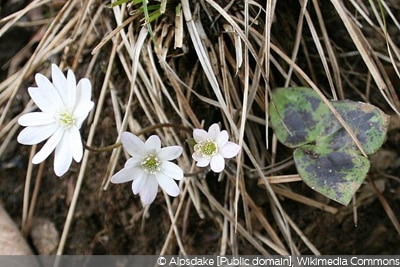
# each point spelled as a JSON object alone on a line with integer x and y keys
{"x": 149, "y": 167}
{"x": 212, "y": 147}
{"x": 64, "y": 106}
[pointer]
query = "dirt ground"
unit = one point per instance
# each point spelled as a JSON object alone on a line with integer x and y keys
{"x": 111, "y": 221}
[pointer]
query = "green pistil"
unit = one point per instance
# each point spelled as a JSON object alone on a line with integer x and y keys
{"x": 207, "y": 148}
{"x": 151, "y": 164}
{"x": 66, "y": 119}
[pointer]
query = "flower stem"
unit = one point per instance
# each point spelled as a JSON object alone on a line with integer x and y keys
{"x": 143, "y": 131}
{"x": 101, "y": 149}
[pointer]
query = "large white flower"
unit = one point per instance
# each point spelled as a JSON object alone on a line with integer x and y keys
{"x": 64, "y": 106}
{"x": 213, "y": 147}
{"x": 149, "y": 167}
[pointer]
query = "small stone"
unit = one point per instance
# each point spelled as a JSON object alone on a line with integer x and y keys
{"x": 45, "y": 236}
{"x": 11, "y": 240}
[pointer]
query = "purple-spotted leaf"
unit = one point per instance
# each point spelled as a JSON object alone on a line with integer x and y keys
{"x": 297, "y": 115}
{"x": 337, "y": 174}
{"x": 326, "y": 156}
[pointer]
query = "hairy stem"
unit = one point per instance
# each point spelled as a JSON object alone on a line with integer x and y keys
{"x": 143, "y": 131}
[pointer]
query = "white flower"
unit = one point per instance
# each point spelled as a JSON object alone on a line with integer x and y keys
{"x": 212, "y": 147}
{"x": 64, "y": 106}
{"x": 149, "y": 167}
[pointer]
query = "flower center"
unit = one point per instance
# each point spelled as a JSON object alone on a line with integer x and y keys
{"x": 207, "y": 148}
{"x": 66, "y": 119}
{"x": 151, "y": 164}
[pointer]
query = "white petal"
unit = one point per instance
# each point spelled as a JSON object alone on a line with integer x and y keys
{"x": 35, "y": 134}
{"x": 167, "y": 184}
{"x": 75, "y": 143}
{"x": 80, "y": 114}
{"x": 70, "y": 90}
{"x": 153, "y": 144}
{"x": 133, "y": 162}
{"x": 229, "y": 150}
{"x": 213, "y": 131}
{"x": 83, "y": 109}
{"x": 222, "y": 138}
{"x": 169, "y": 153}
{"x": 139, "y": 180}
{"x": 217, "y": 163}
{"x": 123, "y": 176}
{"x": 83, "y": 91}
{"x": 172, "y": 170}
{"x": 197, "y": 156}
{"x": 59, "y": 81}
{"x": 132, "y": 144}
{"x": 63, "y": 155}
{"x": 199, "y": 135}
{"x": 43, "y": 83}
{"x": 36, "y": 119}
{"x": 201, "y": 161}
{"x": 46, "y": 98}
{"x": 149, "y": 190}
{"x": 48, "y": 146}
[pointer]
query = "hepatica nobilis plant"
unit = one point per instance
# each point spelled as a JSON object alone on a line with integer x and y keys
{"x": 150, "y": 166}
{"x": 212, "y": 147}
{"x": 64, "y": 105}
{"x": 326, "y": 157}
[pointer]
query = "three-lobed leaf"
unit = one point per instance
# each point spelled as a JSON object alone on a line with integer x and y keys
{"x": 325, "y": 155}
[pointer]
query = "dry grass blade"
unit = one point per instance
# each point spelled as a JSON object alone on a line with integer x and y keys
{"x": 174, "y": 219}
{"x": 205, "y": 60}
{"x": 173, "y": 224}
{"x": 332, "y": 57}
{"x": 365, "y": 52}
{"x": 282, "y": 222}
{"x": 304, "y": 238}
{"x": 284, "y": 179}
{"x": 297, "y": 41}
{"x": 14, "y": 17}
{"x": 305, "y": 200}
{"x": 391, "y": 46}
{"x": 321, "y": 53}
{"x": 230, "y": 217}
{"x": 389, "y": 211}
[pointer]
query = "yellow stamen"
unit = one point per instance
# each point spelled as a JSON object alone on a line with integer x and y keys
{"x": 151, "y": 164}
{"x": 207, "y": 148}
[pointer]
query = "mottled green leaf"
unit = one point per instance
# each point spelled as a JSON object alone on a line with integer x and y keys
{"x": 337, "y": 175}
{"x": 297, "y": 115}
{"x": 326, "y": 156}
{"x": 367, "y": 122}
